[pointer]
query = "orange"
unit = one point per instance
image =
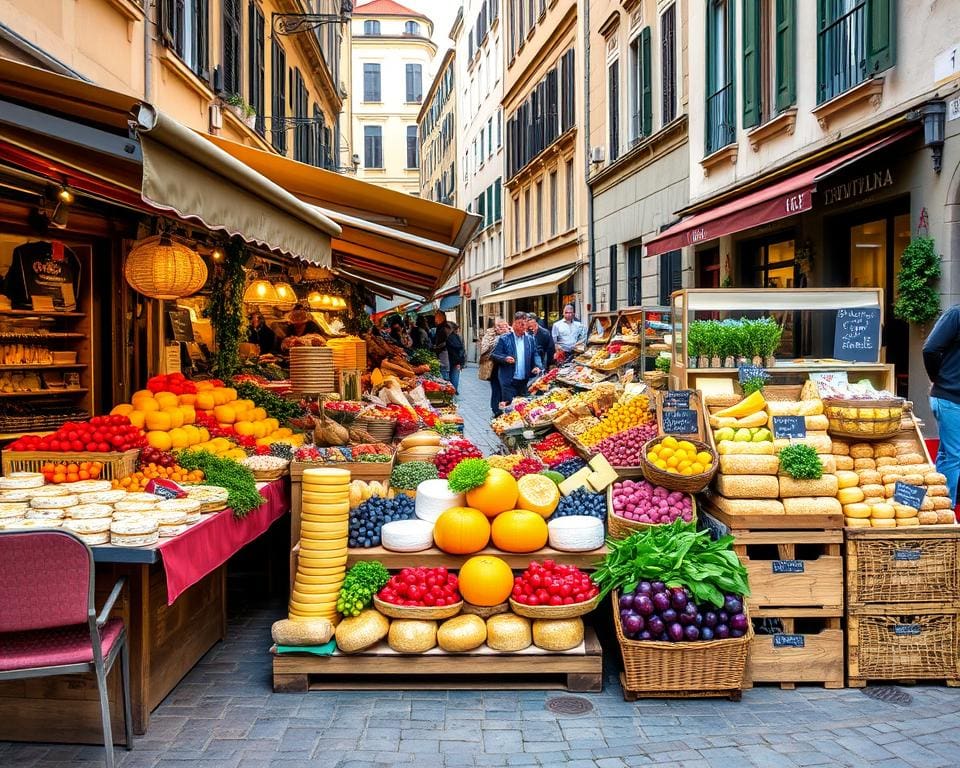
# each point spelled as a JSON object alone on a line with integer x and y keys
{"x": 461, "y": 531}
{"x": 497, "y": 494}
{"x": 121, "y": 410}
{"x": 519, "y": 530}
{"x": 538, "y": 494}
{"x": 485, "y": 580}
{"x": 160, "y": 440}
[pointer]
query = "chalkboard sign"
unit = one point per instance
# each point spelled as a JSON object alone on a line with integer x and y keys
{"x": 180, "y": 325}
{"x": 782, "y": 640}
{"x": 787, "y": 566}
{"x": 857, "y": 335}
{"x": 789, "y": 426}
{"x": 906, "y": 630}
{"x": 909, "y": 495}
{"x": 747, "y": 372}
{"x": 681, "y": 422}
{"x": 907, "y": 554}
{"x": 679, "y": 398}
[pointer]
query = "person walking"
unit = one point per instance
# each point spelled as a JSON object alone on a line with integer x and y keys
{"x": 543, "y": 338}
{"x": 941, "y": 358}
{"x": 487, "y": 365}
{"x": 568, "y": 333}
{"x": 420, "y": 334}
{"x": 457, "y": 354}
{"x": 518, "y": 359}
{"x": 441, "y": 329}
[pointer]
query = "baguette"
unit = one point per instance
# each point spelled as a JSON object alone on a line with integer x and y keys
{"x": 748, "y": 486}
{"x": 825, "y": 486}
{"x": 806, "y": 505}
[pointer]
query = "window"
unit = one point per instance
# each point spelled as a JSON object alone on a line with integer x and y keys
{"x": 768, "y": 59}
{"x": 411, "y": 28}
{"x": 516, "y": 224}
{"x": 553, "y": 203}
{"x": 634, "y": 276}
{"x": 232, "y": 53}
{"x": 414, "y": 83}
{"x": 855, "y": 40}
{"x": 480, "y": 147}
{"x": 371, "y": 27}
{"x": 613, "y": 108}
{"x": 256, "y": 71}
{"x": 499, "y": 128}
{"x": 321, "y": 140}
{"x": 490, "y": 137}
{"x": 567, "y": 92}
{"x": 539, "y": 211}
{"x": 497, "y": 213}
{"x": 513, "y": 29}
{"x": 185, "y": 27}
{"x": 489, "y": 73}
{"x": 301, "y": 130}
{"x": 671, "y": 276}
{"x": 531, "y": 15}
{"x": 534, "y": 125}
{"x": 372, "y": 146}
{"x": 278, "y": 91}
{"x": 568, "y": 179}
{"x": 412, "y": 144}
{"x": 371, "y": 82}
{"x": 521, "y": 23}
{"x": 614, "y": 278}
{"x": 641, "y": 91}
{"x": 668, "y": 65}
{"x": 526, "y": 217}
{"x": 721, "y": 128}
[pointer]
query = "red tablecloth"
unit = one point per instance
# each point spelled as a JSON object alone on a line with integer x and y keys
{"x": 206, "y": 546}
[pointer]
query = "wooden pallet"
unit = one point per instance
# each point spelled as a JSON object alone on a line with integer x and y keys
{"x": 382, "y": 668}
{"x": 798, "y": 657}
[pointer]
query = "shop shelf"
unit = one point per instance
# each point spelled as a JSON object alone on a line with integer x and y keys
{"x": 33, "y": 312}
{"x": 46, "y": 393}
{"x": 41, "y": 367}
{"x": 434, "y": 557}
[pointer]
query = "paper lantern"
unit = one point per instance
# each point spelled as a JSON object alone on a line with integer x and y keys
{"x": 314, "y": 299}
{"x": 260, "y": 292}
{"x": 286, "y": 298}
{"x": 163, "y": 268}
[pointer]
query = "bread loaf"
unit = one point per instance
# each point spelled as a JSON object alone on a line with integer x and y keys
{"x": 825, "y": 486}
{"x": 748, "y": 506}
{"x": 748, "y": 486}
{"x": 829, "y": 463}
{"x": 806, "y": 505}
{"x": 748, "y": 464}
{"x": 843, "y": 462}
{"x": 301, "y": 632}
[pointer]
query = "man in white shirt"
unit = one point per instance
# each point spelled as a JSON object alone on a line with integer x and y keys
{"x": 567, "y": 334}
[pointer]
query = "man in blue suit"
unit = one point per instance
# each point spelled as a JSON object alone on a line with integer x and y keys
{"x": 517, "y": 359}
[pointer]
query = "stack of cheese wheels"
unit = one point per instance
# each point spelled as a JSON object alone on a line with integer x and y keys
{"x": 324, "y": 525}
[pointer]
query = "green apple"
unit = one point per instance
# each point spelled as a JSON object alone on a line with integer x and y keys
{"x": 743, "y": 435}
{"x": 724, "y": 433}
{"x": 762, "y": 435}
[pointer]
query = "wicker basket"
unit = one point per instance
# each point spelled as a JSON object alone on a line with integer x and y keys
{"x": 416, "y": 612}
{"x": 115, "y": 465}
{"x": 864, "y": 419}
{"x": 485, "y": 611}
{"x": 619, "y": 527}
{"x": 705, "y": 667}
{"x": 345, "y": 418}
{"x": 909, "y": 645}
{"x": 268, "y": 475}
{"x": 554, "y": 611}
{"x": 380, "y": 429}
{"x": 674, "y": 482}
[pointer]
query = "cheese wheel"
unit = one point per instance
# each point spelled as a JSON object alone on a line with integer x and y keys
{"x": 46, "y": 514}
{"x": 50, "y": 490}
{"x": 89, "y": 486}
{"x": 21, "y": 480}
{"x": 54, "y": 502}
{"x": 904, "y": 522}
{"x": 334, "y": 578}
{"x": 407, "y": 535}
{"x": 882, "y": 511}
{"x": 856, "y": 522}
{"x": 27, "y": 524}
{"x": 103, "y": 497}
{"x": 857, "y": 510}
{"x": 10, "y": 509}
{"x": 320, "y": 566}
{"x": 864, "y": 464}
{"x": 934, "y": 478}
{"x": 847, "y": 479}
{"x": 850, "y": 495}
{"x": 870, "y": 477}
{"x": 90, "y": 510}
{"x": 317, "y": 548}
{"x": 21, "y": 495}
{"x": 843, "y": 462}
{"x": 872, "y": 489}
{"x": 134, "y": 533}
{"x": 937, "y": 490}
{"x": 939, "y": 502}
{"x": 169, "y": 531}
{"x": 337, "y": 508}
{"x": 882, "y": 522}
{"x": 885, "y": 461}
{"x": 95, "y": 525}
{"x": 321, "y": 502}
{"x": 433, "y": 498}
{"x": 135, "y": 506}
{"x": 324, "y": 526}
{"x": 509, "y": 632}
{"x": 326, "y": 476}
{"x": 902, "y": 511}
{"x": 557, "y": 634}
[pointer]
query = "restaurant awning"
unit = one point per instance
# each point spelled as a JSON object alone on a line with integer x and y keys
{"x": 784, "y": 198}
{"x": 531, "y": 287}
{"x": 113, "y": 146}
{"x": 387, "y": 236}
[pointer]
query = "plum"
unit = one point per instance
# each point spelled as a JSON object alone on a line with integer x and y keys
{"x": 706, "y": 633}
{"x": 669, "y": 615}
{"x": 722, "y": 631}
{"x": 675, "y": 631}
{"x": 732, "y": 605}
{"x": 661, "y": 601}
{"x": 643, "y": 605}
{"x": 633, "y": 624}
{"x": 710, "y": 620}
{"x": 691, "y": 633}
{"x": 678, "y": 599}
{"x": 626, "y": 601}
{"x": 644, "y": 588}
{"x": 738, "y": 623}
{"x": 656, "y": 626}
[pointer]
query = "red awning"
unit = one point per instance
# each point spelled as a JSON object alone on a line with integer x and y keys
{"x": 787, "y": 197}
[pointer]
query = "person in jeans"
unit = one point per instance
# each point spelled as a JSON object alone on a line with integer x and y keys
{"x": 941, "y": 358}
{"x": 441, "y": 329}
{"x": 456, "y": 353}
{"x": 487, "y": 365}
{"x": 518, "y": 359}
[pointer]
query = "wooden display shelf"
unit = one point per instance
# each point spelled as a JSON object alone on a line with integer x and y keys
{"x": 435, "y": 558}
{"x": 46, "y": 392}
{"x": 42, "y": 367}
{"x": 38, "y": 313}
{"x": 53, "y": 336}
{"x": 381, "y": 668}
{"x": 800, "y": 655}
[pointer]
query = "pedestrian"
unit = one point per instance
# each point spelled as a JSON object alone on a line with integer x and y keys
{"x": 420, "y": 334}
{"x": 941, "y": 358}
{"x": 568, "y": 333}
{"x": 457, "y": 354}
{"x": 440, "y": 344}
{"x": 258, "y": 333}
{"x": 487, "y": 365}
{"x": 544, "y": 339}
{"x": 517, "y": 357}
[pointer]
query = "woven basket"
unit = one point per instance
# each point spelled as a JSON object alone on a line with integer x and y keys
{"x": 116, "y": 465}
{"x": 381, "y": 429}
{"x": 267, "y": 475}
{"x": 485, "y": 611}
{"x": 619, "y": 527}
{"x": 864, "y": 419}
{"x": 673, "y": 482}
{"x": 554, "y": 611}
{"x": 908, "y": 645}
{"x": 416, "y": 612}
{"x": 345, "y": 418}
{"x": 697, "y": 668}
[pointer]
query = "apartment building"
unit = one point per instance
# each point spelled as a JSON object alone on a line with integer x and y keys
{"x": 391, "y": 51}
{"x": 437, "y": 124}
{"x": 243, "y": 70}
{"x": 545, "y": 218}
{"x": 478, "y": 39}
{"x": 639, "y": 162}
{"x": 823, "y": 138}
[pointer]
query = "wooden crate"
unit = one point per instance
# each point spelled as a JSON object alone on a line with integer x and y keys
{"x": 905, "y": 643}
{"x": 381, "y": 668}
{"x": 806, "y": 650}
{"x": 115, "y": 464}
{"x": 904, "y": 566}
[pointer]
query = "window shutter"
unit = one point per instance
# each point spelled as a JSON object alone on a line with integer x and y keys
{"x": 786, "y": 56}
{"x": 822, "y": 21}
{"x": 201, "y": 31}
{"x": 668, "y": 64}
{"x": 751, "y": 62}
{"x": 671, "y": 277}
{"x": 881, "y": 35}
{"x": 613, "y": 97}
{"x": 613, "y": 277}
{"x": 167, "y": 22}
{"x": 646, "y": 84}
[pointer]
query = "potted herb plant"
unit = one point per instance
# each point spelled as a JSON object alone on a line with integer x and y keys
{"x": 769, "y": 333}
{"x": 695, "y": 352}
{"x": 236, "y": 104}
{"x": 714, "y": 342}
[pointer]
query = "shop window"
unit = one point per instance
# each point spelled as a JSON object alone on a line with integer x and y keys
{"x": 668, "y": 65}
{"x": 641, "y": 91}
{"x": 868, "y": 255}
{"x": 721, "y": 125}
{"x": 770, "y": 264}
{"x": 372, "y": 146}
{"x": 855, "y": 40}
{"x": 671, "y": 276}
{"x": 769, "y": 55}
{"x": 257, "y": 69}
{"x": 635, "y": 275}
{"x": 371, "y": 27}
{"x": 371, "y": 82}
{"x": 708, "y": 268}
{"x": 185, "y": 27}
{"x": 301, "y": 129}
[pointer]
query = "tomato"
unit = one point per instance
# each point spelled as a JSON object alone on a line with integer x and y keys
{"x": 103, "y": 447}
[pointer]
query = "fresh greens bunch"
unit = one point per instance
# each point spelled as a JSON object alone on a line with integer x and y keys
{"x": 374, "y": 458}
{"x": 768, "y": 332}
{"x": 277, "y": 407}
{"x": 410, "y": 474}
{"x": 360, "y": 584}
{"x": 696, "y": 334}
{"x": 662, "y": 364}
{"x": 801, "y": 462}
{"x": 468, "y": 474}
{"x": 237, "y": 479}
{"x": 678, "y": 555}
{"x": 426, "y": 357}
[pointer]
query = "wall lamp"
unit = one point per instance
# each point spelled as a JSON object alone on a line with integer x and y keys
{"x": 295, "y": 23}
{"x": 934, "y": 116}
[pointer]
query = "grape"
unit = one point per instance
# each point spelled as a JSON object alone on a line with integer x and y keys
{"x": 582, "y": 502}
{"x": 367, "y": 518}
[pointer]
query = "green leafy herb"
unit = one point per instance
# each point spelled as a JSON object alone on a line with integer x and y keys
{"x": 678, "y": 555}
{"x": 662, "y": 364}
{"x": 468, "y": 474}
{"x": 226, "y": 309}
{"x": 918, "y": 300}
{"x": 801, "y": 462}
{"x": 410, "y": 474}
{"x": 360, "y": 584}
{"x": 238, "y": 480}
{"x": 755, "y": 383}
{"x": 426, "y": 357}
{"x": 277, "y": 407}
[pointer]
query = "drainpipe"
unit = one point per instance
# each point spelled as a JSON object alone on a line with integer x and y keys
{"x": 586, "y": 155}
{"x": 147, "y": 52}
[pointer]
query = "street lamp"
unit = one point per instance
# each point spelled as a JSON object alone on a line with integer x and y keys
{"x": 295, "y": 23}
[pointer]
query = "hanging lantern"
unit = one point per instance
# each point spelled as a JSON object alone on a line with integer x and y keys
{"x": 260, "y": 292}
{"x": 314, "y": 299}
{"x": 286, "y": 298}
{"x": 163, "y": 268}
{"x": 326, "y": 302}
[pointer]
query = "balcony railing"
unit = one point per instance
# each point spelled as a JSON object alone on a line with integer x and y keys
{"x": 721, "y": 126}
{"x": 842, "y": 54}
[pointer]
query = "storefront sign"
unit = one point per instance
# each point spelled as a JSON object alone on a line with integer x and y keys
{"x": 797, "y": 203}
{"x": 181, "y": 325}
{"x": 858, "y": 187}
{"x": 857, "y": 335}
{"x": 953, "y": 108}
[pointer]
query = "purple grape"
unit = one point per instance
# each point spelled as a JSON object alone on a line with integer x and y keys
{"x": 675, "y": 631}
{"x": 624, "y": 612}
{"x": 656, "y": 626}
{"x": 722, "y": 631}
{"x": 633, "y": 624}
{"x": 658, "y": 586}
{"x": 678, "y": 599}
{"x": 732, "y": 605}
{"x": 644, "y": 588}
{"x": 691, "y": 633}
{"x": 626, "y": 601}
{"x": 736, "y": 633}
{"x": 664, "y": 638}
{"x": 669, "y": 616}
{"x": 710, "y": 619}
{"x": 645, "y": 635}
{"x": 698, "y": 619}
{"x": 706, "y": 633}
{"x": 738, "y": 623}
{"x": 661, "y": 600}
{"x": 643, "y": 605}
{"x": 723, "y": 617}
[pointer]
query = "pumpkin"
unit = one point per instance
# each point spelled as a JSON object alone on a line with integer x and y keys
{"x": 461, "y": 531}
{"x": 520, "y": 530}
{"x": 485, "y": 580}
{"x": 497, "y": 494}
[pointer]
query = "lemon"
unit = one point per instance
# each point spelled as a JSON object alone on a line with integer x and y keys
{"x": 686, "y": 445}
{"x": 673, "y": 461}
{"x": 686, "y": 471}
{"x": 696, "y": 468}
{"x": 704, "y": 458}
{"x": 666, "y": 452}
{"x": 684, "y": 464}
{"x": 669, "y": 441}
{"x": 661, "y": 464}
{"x": 652, "y": 457}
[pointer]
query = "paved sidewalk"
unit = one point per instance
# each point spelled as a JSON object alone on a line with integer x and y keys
{"x": 473, "y": 403}
{"x": 225, "y": 715}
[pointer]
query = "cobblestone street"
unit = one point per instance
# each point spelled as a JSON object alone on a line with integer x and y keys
{"x": 224, "y": 715}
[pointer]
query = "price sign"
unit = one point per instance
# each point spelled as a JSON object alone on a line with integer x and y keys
{"x": 678, "y": 398}
{"x": 181, "y": 325}
{"x": 906, "y": 555}
{"x": 747, "y": 372}
{"x": 787, "y": 566}
{"x": 709, "y": 523}
{"x": 782, "y": 640}
{"x": 789, "y": 427}
{"x": 857, "y": 335}
{"x": 906, "y": 630}
{"x": 681, "y": 422}
{"x": 909, "y": 495}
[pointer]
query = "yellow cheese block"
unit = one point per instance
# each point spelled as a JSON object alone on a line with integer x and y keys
{"x": 326, "y": 475}
{"x": 856, "y": 522}
{"x": 878, "y": 522}
{"x": 904, "y": 522}
{"x": 335, "y": 577}
{"x": 324, "y": 499}
{"x": 318, "y": 611}
{"x": 334, "y": 550}
{"x": 603, "y": 474}
{"x": 858, "y": 510}
{"x": 324, "y": 526}
{"x": 319, "y": 566}
{"x": 303, "y": 593}
{"x": 577, "y": 480}
{"x": 317, "y": 548}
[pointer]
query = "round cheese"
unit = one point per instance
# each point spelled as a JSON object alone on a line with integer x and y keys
{"x": 857, "y": 510}
{"x": 407, "y": 535}
{"x": 50, "y": 490}
{"x": 878, "y": 522}
{"x": 89, "y": 486}
{"x": 321, "y": 547}
{"x": 103, "y": 497}
{"x": 335, "y": 577}
{"x": 54, "y": 502}
{"x": 856, "y": 522}
{"x": 169, "y": 531}
{"x": 169, "y": 516}
{"x": 208, "y": 494}
{"x": 91, "y": 526}
{"x": 187, "y": 506}
{"x": 143, "y": 496}
{"x": 134, "y": 533}
{"x": 322, "y": 501}
{"x": 46, "y": 514}
{"x": 81, "y": 511}
{"x": 20, "y": 480}
{"x": 326, "y": 476}
{"x": 10, "y": 509}
{"x": 557, "y": 634}
{"x": 508, "y": 632}
{"x": 319, "y": 565}
{"x": 433, "y": 498}
{"x": 576, "y": 533}
{"x": 905, "y": 522}
{"x": 136, "y": 506}
{"x": 30, "y": 525}
{"x": 24, "y": 494}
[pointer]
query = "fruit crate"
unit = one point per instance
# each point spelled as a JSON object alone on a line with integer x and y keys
{"x": 116, "y": 465}
{"x": 796, "y": 649}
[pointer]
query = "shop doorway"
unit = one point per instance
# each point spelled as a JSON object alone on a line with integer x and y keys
{"x": 708, "y": 268}
{"x": 771, "y": 262}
